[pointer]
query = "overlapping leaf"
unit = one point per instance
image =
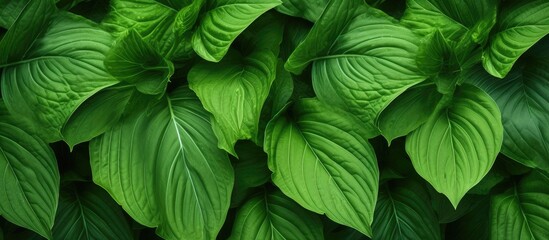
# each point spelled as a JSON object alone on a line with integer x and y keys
{"x": 163, "y": 166}
{"x": 357, "y": 51}
{"x": 457, "y": 146}
{"x": 51, "y": 77}
{"x": 522, "y": 212}
{"x": 520, "y": 25}
{"x": 321, "y": 158}
{"x": 306, "y": 9}
{"x": 89, "y": 213}
{"x": 273, "y": 216}
{"x": 29, "y": 180}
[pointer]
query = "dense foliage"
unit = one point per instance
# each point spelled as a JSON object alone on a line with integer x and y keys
{"x": 270, "y": 119}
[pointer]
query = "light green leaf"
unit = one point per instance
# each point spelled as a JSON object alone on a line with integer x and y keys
{"x": 96, "y": 115}
{"x": 273, "y": 216}
{"x": 320, "y": 157}
{"x": 29, "y": 23}
{"x": 519, "y": 27}
{"x": 455, "y": 19}
{"x": 307, "y": 9}
{"x": 164, "y": 160}
{"x": 29, "y": 180}
{"x": 57, "y": 73}
{"x": 234, "y": 92}
{"x": 87, "y": 212}
{"x": 408, "y": 111}
{"x": 355, "y": 54}
{"x": 223, "y": 22}
{"x": 523, "y": 97}
{"x": 133, "y": 61}
{"x": 522, "y": 212}
{"x": 403, "y": 212}
{"x": 156, "y": 22}
{"x": 457, "y": 146}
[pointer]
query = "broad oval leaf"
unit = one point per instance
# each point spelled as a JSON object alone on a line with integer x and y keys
{"x": 321, "y": 158}
{"x": 354, "y": 55}
{"x": 408, "y": 111}
{"x": 87, "y": 212}
{"x": 132, "y": 60}
{"x": 59, "y": 71}
{"x": 223, "y": 22}
{"x": 519, "y": 27}
{"x": 156, "y": 22}
{"x": 234, "y": 92}
{"x": 523, "y": 97}
{"x": 29, "y": 180}
{"x": 403, "y": 211}
{"x": 274, "y": 216}
{"x": 455, "y": 19}
{"x": 168, "y": 157}
{"x": 457, "y": 146}
{"x": 522, "y": 212}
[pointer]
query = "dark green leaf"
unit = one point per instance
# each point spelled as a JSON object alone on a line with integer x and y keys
{"x": 458, "y": 145}
{"x": 307, "y": 9}
{"x": 321, "y": 158}
{"x": 10, "y": 10}
{"x": 522, "y": 212}
{"x": 87, "y": 212}
{"x": 273, "y": 216}
{"x": 29, "y": 180}
{"x": 474, "y": 225}
{"x": 133, "y": 61}
{"x": 403, "y": 212}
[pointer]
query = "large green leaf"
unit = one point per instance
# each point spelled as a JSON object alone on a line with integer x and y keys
{"x": 29, "y": 180}
{"x": 408, "y": 111}
{"x": 87, "y": 212}
{"x": 320, "y": 157}
{"x": 520, "y": 25}
{"x": 522, "y": 212}
{"x": 132, "y": 60}
{"x": 156, "y": 22}
{"x": 523, "y": 97}
{"x": 403, "y": 211}
{"x": 457, "y": 146}
{"x": 355, "y": 54}
{"x": 455, "y": 19}
{"x": 163, "y": 166}
{"x": 223, "y": 22}
{"x": 97, "y": 114}
{"x": 273, "y": 216}
{"x": 307, "y": 9}
{"x": 54, "y": 75}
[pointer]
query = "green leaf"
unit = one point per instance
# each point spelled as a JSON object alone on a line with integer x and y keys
{"x": 234, "y": 92}
{"x": 87, "y": 212}
{"x": 320, "y": 157}
{"x": 273, "y": 216}
{"x": 519, "y": 27}
{"x": 11, "y": 9}
{"x": 475, "y": 225}
{"x": 354, "y": 55}
{"x": 96, "y": 115}
{"x": 164, "y": 160}
{"x": 522, "y": 212}
{"x": 408, "y": 111}
{"x": 307, "y": 9}
{"x": 30, "y": 23}
{"x": 29, "y": 180}
{"x": 523, "y": 97}
{"x": 157, "y": 23}
{"x": 57, "y": 73}
{"x": 457, "y": 146}
{"x": 251, "y": 167}
{"x": 223, "y": 22}
{"x": 455, "y": 19}
{"x": 403, "y": 212}
{"x": 133, "y": 61}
